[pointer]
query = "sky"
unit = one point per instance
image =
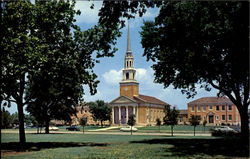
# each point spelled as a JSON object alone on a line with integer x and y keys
{"x": 109, "y": 70}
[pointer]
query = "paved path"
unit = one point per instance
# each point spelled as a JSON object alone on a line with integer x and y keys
{"x": 112, "y": 133}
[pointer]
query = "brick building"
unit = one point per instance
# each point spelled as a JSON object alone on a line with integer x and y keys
{"x": 146, "y": 108}
{"x": 183, "y": 117}
{"x": 216, "y": 111}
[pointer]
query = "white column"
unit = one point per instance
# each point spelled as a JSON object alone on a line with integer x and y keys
{"x": 113, "y": 115}
{"x": 119, "y": 114}
{"x": 134, "y": 110}
{"x": 126, "y": 114}
{"x": 137, "y": 117}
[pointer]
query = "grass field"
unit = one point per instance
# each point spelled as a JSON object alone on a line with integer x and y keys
{"x": 60, "y": 146}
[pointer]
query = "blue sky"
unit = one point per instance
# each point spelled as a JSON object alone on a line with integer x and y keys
{"x": 109, "y": 69}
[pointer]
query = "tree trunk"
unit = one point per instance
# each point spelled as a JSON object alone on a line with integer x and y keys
{"x": 194, "y": 130}
{"x": 22, "y": 138}
{"x": 244, "y": 126}
{"x": 47, "y": 126}
{"x": 101, "y": 124}
{"x": 131, "y": 130}
{"x": 159, "y": 128}
{"x": 172, "y": 132}
{"x": 37, "y": 130}
{"x": 83, "y": 129}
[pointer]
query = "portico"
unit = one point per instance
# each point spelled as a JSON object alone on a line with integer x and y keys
{"x": 120, "y": 113}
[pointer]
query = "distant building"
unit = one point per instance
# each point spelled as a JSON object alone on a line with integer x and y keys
{"x": 84, "y": 111}
{"x": 183, "y": 117}
{"x": 146, "y": 108}
{"x": 216, "y": 111}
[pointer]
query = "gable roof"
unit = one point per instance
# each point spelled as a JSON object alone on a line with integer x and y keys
{"x": 123, "y": 99}
{"x": 149, "y": 99}
{"x": 211, "y": 100}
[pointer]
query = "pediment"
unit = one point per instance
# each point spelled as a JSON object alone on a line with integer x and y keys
{"x": 122, "y": 99}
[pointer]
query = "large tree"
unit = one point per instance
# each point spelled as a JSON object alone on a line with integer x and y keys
{"x": 204, "y": 43}
{"x": 100, "y": 111}
{"x": 40, "y": 45}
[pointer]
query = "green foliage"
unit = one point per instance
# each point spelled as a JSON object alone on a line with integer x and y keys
{"x": 100, "y": 111}
{"x": 83, "y": 122}
{"x": 194, "y": 121}
{"x": 204, "y": 43}
{"x": 170, "y": 117}
{"x": 158, "y": 123}
{"x": 131, "y": 120}
{"x": 5, "y": 118}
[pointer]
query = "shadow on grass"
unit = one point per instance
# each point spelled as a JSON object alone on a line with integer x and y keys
{"x": 230, "y": 147}
{"x": 37, "y": 146}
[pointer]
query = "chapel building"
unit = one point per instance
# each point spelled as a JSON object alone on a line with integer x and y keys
{"x": 146, "y": 108}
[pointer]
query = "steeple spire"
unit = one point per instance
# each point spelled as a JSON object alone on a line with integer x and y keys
{"x": 128, "y": 41}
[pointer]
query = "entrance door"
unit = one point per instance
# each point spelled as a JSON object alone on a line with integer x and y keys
{"x": 211, "y": 119}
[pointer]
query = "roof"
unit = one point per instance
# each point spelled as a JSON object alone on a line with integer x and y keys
{"x": 211, "y": 101}
{"x": 149, "y": 99}
{"x": 183, "y": 112}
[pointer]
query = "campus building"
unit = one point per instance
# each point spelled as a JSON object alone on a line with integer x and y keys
{"x": 146, "y": 108}
{"x": 216, "y": 111}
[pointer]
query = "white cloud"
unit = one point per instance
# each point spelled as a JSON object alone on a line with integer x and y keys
{"x": 88, "y": 15}
{"x": 113, "y": 77}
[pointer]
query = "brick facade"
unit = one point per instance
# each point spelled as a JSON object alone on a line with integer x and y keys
{"x": 216, "y": 111}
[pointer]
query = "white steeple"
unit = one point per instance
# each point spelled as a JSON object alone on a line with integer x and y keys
{"x": 129, "y": 71}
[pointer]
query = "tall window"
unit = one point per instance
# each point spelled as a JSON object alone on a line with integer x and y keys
{"x": 230, "y": 107}
{"x": 127, "y": 63}
{"x": 230, "y": 117}
{"x": 204, "y": 108}
{"x": 130, "y": 63}
{"x": 223, "y": 107}
{"x": 192, "y": 108}
{"x": 223, "y": 117}
{"x": 199, "y": 108}
{"x": 217, "y": 108}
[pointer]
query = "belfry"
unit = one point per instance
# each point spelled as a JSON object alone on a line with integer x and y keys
{"x": 146, "y": 108}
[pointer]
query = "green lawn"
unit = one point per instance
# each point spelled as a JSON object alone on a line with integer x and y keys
{"x": 60, "y": 146}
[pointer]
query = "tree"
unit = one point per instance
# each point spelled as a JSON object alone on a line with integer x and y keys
{"x": 205, "y": 43}
{"x": 170, "y": 117}
{"x": 100, "y": 111}
{"x": 37, "y": 36}
{"x": 131, "y": 121}
{"x": 83, "y": 122}
{"x": 158, "y": 123}
{"x": 204, "y": 123}
{"x": 194, "y": 121}
{"x": 5, "y": 118}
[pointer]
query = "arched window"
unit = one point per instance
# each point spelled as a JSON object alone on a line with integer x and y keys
{"x": 127, "y": 76}
{"x": 130, "y": 63}
{"x": 133, "y": 75}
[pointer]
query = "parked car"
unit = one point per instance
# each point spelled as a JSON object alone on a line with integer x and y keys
{"x": 73, "y": 128}
{"x": 53, "y": 128}
{"x": 128, "y": 129}
{"x": 225, "y": 129}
